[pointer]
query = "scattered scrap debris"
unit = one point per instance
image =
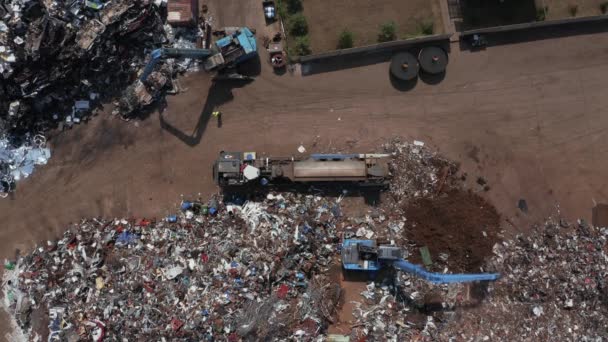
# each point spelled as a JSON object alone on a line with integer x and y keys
{"x": 416, "y": 169}
{"x": 554, "y": 288}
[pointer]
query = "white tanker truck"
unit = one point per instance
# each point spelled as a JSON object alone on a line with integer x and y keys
{"x": 240, "y": 168}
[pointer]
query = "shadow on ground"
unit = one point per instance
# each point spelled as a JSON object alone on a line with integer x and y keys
{"x": 486, "y": 13}
{"x": 344, "y": 62}
{"x": 402, "y": 85}
{"x": 371, "y": 194}
{"x": 219, "y": 94}
{"x": 363, "y": 58}
{"x": 432, "y": 79}
{"x": 536, "y": 33}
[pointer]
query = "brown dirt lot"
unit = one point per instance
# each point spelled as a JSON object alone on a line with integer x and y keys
{"x": 454, "y": 223}
{"x": 327, "y": 19}
{"x": 529, "y": 117}
{"x": 559, "y": 9}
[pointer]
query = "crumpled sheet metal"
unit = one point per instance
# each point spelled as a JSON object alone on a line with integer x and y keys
{"x": 17, "y": 163}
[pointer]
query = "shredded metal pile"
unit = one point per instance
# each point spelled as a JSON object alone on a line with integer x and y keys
{"x": 418, "y": 171}
{"x": 262, "y": 270}
{"x": 554, "y": 288}
{"x": 197, "y": 276}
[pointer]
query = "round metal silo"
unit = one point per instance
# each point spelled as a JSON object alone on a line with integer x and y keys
{"x": 433, "y": 59}
{"x": 404, "y": 66}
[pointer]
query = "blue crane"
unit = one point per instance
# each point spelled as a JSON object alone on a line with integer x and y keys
{"x": 236, "y": 47}
{"x": 364, "y": 255}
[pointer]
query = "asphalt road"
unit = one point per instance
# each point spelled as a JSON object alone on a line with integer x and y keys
{"x": 528, "y": 117}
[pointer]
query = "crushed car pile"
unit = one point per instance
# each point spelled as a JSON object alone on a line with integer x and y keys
{"x": 59, "y": 59}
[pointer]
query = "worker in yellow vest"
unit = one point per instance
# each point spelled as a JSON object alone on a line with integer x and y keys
{"x": 218, "y": 115}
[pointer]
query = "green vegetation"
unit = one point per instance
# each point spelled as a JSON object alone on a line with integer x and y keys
{"x": 541, "y": 13}
{"x": 297, "y": 42}
{"x": 426, "y": 27}
{"x": 302, "y": 46}
{"x": 604, "y": 7}
{"x": 388, "y": 32}
{"x": 298, "y": 26}
{"x": 346, "y": 40}
{"x": 573, "y": 9}
{"x": 294, "y": 6}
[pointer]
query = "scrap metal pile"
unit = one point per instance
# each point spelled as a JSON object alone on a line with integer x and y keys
{"x": 17, "y": 160}
{"x": 406, "y": 308}
{"x": 265, "y": 270}
{"x": 58, "y": 59}
{"x": 198, "y": 276}
{"x": 418, "y": 171}
{"x": 554, "y": 288}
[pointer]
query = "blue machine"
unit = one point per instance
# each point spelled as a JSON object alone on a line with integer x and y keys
{"x": 364, "y": 255}
{"x": 236, "y": 47}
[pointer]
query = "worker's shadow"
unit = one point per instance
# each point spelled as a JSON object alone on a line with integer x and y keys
{"x": 219, "y": 93}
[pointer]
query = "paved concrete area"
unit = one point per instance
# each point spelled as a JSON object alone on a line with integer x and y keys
{"x": 528, "y": 117}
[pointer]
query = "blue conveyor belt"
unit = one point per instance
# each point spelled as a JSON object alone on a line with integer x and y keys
{"x": 440, "y": 278}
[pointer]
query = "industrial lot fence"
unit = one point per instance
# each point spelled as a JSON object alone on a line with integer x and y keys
{"x": 376, "y": 48}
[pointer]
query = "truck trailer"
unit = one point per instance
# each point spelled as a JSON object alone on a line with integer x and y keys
{"x": 241, "y": 168}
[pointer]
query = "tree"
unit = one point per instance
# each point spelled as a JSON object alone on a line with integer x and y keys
{"x": 388, "y": 32}
{"x": 302, "y": 46}
{"x": 298, "y": 25}
{"x": 604, "y": 7}
{"x": 346, "y": 40}
{"x": 541, "y": 13}
{"x": 294, "y": 6}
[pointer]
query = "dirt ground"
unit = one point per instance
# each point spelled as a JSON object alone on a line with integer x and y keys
{"x": 529, "y": 117}
{"x": 559, "y": 9}
{"x": 327, "y": 19}
{"x": 459, "y": 223}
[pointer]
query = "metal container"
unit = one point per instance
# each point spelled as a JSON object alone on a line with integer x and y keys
{"x": 404, "y": 66}
{"x": 433, "y": 60}
{"x": 182, "y": 12}
{"x": 338, "y": 170}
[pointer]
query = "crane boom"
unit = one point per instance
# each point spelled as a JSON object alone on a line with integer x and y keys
{"x": 161, "y": 53}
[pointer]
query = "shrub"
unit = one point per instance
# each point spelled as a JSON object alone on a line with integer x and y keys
{"x": 294, "y": 6}
{"x": 604, "y": 7}
{"x": 427, "y": 27}
{"x": 298, "y": 25}
{"x": 573, "y": 9}
{"x": 541, "y": 13}
{"x": 302, "y": 46}
{"x": 281, "y": 10}
{"x": 346, "y": 40}
{"x": 388, "y": 32}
